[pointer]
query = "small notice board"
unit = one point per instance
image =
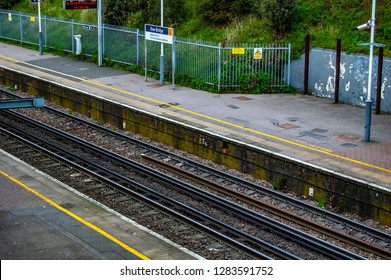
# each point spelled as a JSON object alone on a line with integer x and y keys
{"x": 257, "y": 53}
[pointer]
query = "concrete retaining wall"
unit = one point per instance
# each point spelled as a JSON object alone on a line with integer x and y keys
{"x": 336, "y": 191}
{"x": 353, "y": 77}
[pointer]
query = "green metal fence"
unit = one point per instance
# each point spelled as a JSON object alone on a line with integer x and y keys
{"x": 222, "y": 66}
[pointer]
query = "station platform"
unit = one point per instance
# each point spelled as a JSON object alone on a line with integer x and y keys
{"x": 43, "y": 219}
{"x": 301, "y": 127}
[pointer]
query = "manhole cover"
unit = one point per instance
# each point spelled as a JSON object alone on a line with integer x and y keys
{"x": 155, "y": 85}
{"x": 243, "y": 98}
{"x": 347, "y": 138}
{"x": 288, "y": 125}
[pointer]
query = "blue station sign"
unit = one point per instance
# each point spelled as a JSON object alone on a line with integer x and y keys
{"x": 159, "y": 33}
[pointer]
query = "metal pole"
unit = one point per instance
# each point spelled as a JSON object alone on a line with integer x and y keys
{"x": 368, "y": 111}
{"x": 145, "y": 56}
{"x": 40, "y": 28}
{"x": 99, "y": 2}
{"x": 20, "y": 27}
{"x": 173, "y": 60}
{"x": 219, "y": 69}
{"x": 162, "y": 45}
{"x": 289, "y": 64}
{"x": 138, "y": 46}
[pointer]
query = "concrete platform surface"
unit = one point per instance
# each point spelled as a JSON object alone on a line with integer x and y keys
{"x": 43, "y": 219}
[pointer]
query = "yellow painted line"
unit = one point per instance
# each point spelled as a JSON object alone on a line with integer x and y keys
{"x": 73, "y": 215}
{"x": 297, "y": 144}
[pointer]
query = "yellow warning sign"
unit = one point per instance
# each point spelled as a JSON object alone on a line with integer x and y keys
{"x": 238, "y": 50}
{"x": 257, "y": 53}
{"x": 32, "y": 19}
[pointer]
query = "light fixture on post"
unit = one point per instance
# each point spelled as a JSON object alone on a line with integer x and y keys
{"x": 39, "y": 26}
{"x": 368, "y": 102}
{"x": 162, "y": 44}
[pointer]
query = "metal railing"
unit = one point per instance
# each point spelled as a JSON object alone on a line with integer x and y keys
{"x": 206, "y": 62}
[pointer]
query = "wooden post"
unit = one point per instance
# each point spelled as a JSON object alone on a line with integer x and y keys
{"x": 337, "y": 71}
{"x": 306, "y": 62}
{"x": 379, "y": 78}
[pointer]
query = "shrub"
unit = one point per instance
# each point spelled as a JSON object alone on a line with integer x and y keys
{"x": 257, "y": 84}
{"x": 221, "y": 12}
{"x": 278, "y": 15}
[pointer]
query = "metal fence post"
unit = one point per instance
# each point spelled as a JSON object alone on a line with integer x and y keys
{"x": 73, "y": 36}
{"x": 138, "y": 46}
{"x": 103, "y": 42}
{"x": 173, "y": 61}
{"x": 289, "y": 64}
{"x": 21, "y": 27}
{"x": 46, "y": 30}
{"x": 219, "y": 69}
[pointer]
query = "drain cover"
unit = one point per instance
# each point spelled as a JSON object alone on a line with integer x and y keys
{"x": 243, "y": 98}
{"x": 288, "y": 125}
{"x": 347, "y": 138}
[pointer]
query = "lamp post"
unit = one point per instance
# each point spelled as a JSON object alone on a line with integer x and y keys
{"x": 100, "y": 52}
{"x": 39, "y": 25}
{"x": 162, "y": 45}
{"x": 368, "y": 102}
{"x": 40, "y": 28}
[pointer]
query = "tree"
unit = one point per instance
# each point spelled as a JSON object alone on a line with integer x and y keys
{"x": 116, "y": 12}
{"x": 174, "y": 12}
{"x": 221, "y": 12}
{"x": 8, "y": 4}
{"x": 136, "y": 13}
{"x": 278, "y": 15}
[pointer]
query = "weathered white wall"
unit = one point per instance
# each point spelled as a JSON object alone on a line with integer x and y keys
{"x": 353, "y": 87}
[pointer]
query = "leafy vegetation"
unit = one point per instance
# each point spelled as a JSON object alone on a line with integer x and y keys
{"x": 244, "y": 21}
{"x": 256, "y": 84}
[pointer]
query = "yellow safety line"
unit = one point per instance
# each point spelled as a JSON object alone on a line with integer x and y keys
{"x": 76, "y": 217}
{"x": 297, "y": 144}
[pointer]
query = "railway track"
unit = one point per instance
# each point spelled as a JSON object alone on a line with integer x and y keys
{"x": 121, "y": 187}
{"x": 355, "y": 234}
{"x": 253, "y": 195}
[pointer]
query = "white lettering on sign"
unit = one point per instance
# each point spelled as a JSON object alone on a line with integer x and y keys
{"x": 159, "y": 34}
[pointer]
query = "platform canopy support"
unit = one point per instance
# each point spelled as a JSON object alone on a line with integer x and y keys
{"x": 21, "y": 103}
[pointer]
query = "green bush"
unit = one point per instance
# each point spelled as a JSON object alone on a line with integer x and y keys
{"x": 278, "y": 15}
{"x": 257, "y": 84}
{"x": 8, "y": 4}
{"x": 221, "y": 12}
